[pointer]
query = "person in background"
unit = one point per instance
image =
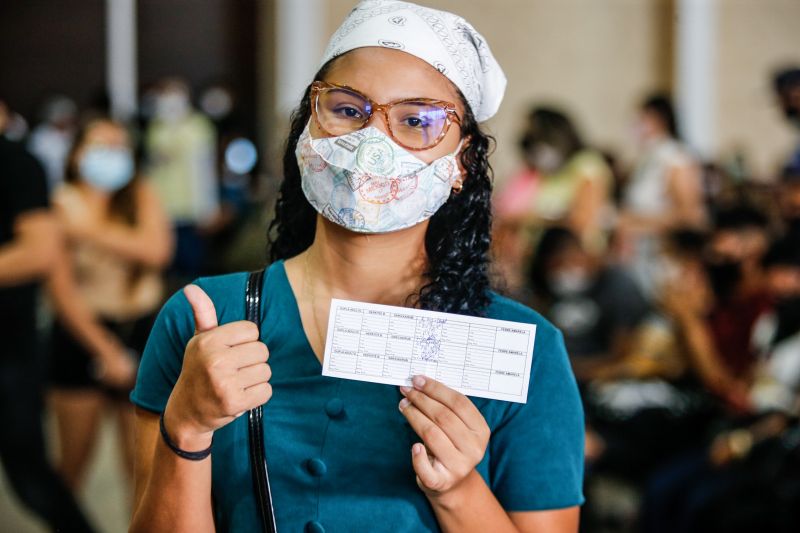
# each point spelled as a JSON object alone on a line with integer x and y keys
{"x": 716, "y": 311}
{"x": 776, "y": 384}
{"x": 51, "y": 140}
{"x": 29, "y": 239}
{"x": 597, "y": 307}
{"x": 738, "y": 243}
{"x": 751, "y": 457}
{"x": 106, "y": 288}
{"x": 575, "y": 182}
{"x": 627, "y": 360}
{"x": 786, "y": 84}
{"x": 664, "y": 191}
{"x": 180, "y": 147}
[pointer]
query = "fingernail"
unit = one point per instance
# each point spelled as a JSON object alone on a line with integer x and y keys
{"x": 404, "y": 403}
{"x": 416, "y": 449}
{"x": 404, "y": 390}
{"x": 419, "y": 381}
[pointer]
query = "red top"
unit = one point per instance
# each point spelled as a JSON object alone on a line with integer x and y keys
{"x": 732, "y": 324}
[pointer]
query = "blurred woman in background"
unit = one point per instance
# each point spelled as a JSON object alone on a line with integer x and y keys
{"x": 575, "y": 181}
{"x": 106, "y": 288}
{"x": 664, "y": 193}
{"x": 562, "y": 183}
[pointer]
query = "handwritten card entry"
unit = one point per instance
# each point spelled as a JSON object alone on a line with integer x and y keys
{"x": 476, "y": 356}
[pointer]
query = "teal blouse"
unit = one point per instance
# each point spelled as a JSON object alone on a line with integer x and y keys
{"x": 339, "y": 451}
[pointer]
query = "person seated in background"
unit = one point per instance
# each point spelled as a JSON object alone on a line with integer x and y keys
{"x": 575, "y": 182}
{"x": 622, "y": 353}
{"x": 597, "y": 307}
{"x": 626, "y": 358}
{"x": 716, "y": 311}
{"x": 751, "y": 465}
{"x": 776, "y": 383}
{"x": 106, "y": 288}
{"x": 664, "y": 191}
{"x": 738, "y": 243}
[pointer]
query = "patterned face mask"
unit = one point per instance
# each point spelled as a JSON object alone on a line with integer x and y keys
{"x": 367, "y": 183}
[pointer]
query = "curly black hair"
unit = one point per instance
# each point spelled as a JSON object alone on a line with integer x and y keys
{"x": 458, "y": 237}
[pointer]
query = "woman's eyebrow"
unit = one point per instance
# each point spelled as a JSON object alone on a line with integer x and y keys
{"x": 410, "y": 96}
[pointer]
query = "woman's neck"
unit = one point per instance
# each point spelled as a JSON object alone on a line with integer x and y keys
{"x": 656, "y": 139}
{"x": 383, "y": 268}
{"x": 99, "y": 200}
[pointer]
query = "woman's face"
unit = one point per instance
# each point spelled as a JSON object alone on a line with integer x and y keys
{"x": 649, "y": 126}
{"x": 386, "y": 75}
{"x": 105, "y": 135}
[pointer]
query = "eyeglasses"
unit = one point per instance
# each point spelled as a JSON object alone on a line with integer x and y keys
{"x": 413, "y": 123}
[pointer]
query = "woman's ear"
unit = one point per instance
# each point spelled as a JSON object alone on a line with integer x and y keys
{"x": 464, "y": 145}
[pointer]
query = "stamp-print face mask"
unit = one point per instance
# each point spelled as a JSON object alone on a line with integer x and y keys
{"x": 367, "y": 183}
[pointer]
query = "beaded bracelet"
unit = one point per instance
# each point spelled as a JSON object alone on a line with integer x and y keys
{"x": 192, "y": 456}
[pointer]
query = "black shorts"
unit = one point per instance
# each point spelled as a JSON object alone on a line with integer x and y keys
{"x": 72, "y": 366}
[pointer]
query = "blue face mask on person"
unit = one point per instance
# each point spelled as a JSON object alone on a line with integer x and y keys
{"x": 108, "y": 169}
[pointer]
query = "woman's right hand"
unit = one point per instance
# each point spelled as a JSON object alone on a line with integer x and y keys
{"x": 225, "y": 373}
{"x": 115, "y": 366}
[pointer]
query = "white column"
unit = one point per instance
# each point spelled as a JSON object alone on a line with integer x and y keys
{"x": 695, "y": 72}
{"x": 300, "y": 29}
{"x": 121, "y": 72}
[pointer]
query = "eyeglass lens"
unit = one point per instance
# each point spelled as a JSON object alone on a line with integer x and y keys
{"x": 414, "y": 124}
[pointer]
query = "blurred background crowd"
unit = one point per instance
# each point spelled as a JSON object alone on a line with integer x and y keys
{"x": 647, "y": 201}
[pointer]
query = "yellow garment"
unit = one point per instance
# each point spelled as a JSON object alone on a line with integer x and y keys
{"x": 182, "y": 167}
{"x": 557, "y": 193}
{"x": 106, "y": 281}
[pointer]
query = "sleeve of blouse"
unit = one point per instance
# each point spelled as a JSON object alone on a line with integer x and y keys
{"x": 163, "y": 354}
{"x": 593, "y": 167}
{"x": 536, "y": 450}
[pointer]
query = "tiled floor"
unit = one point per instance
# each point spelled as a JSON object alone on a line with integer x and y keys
{"x": 104, "y": 498}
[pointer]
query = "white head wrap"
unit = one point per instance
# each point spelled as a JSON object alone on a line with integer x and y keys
{"x": 444, "y": 40}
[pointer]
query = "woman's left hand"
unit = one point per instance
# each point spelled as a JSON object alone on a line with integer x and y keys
{"x": 454, "y": 433}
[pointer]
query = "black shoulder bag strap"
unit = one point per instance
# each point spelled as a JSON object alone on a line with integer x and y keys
{"x": 258, "y": 460}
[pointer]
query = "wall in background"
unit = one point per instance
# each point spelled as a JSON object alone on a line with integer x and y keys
{"x": 756, "y": 37}
{"x": 51, "y": 47}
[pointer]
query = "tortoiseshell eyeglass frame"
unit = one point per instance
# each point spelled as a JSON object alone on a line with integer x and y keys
{"x": 451, "y": 115}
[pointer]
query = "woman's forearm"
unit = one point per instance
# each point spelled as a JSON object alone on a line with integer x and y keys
{"x": 73, "y": 311}
{"x": 30, "y": 255}
{"x": 472, "y": 507}
{"x": 703, "y": 355}
{"x": 173, "y": 494}
{"x": 133, "y": 244}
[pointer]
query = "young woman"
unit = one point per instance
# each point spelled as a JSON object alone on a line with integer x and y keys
{"x": 348, "y": 455}
{"x": 106, "y": 288}
{"x": 575, "y": 183}
{"x": 665, "y": 192}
